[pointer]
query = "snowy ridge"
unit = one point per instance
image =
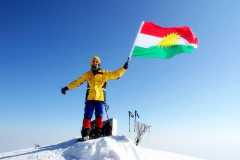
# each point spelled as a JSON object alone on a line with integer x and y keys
{"x": 106, "y": 148}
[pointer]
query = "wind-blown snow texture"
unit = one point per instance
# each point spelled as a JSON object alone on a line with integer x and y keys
{"x": 107, "y": 148}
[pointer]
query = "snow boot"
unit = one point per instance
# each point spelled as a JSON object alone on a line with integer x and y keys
{"x": 98, "y": 132}
{"x": 85, "y": 133}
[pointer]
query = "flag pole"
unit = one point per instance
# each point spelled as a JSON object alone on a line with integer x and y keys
{"x": 131, "y": 52}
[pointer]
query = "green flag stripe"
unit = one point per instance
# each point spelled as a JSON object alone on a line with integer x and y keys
{"x": 161, "y": 52}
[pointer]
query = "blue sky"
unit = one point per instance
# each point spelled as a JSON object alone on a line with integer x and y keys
{"x": 192, "y": 101}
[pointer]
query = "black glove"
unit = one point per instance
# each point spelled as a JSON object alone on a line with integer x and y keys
{"x": 64, "y": 89}
{"x": 125, "y": 66}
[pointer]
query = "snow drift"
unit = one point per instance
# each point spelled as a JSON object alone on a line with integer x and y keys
{"x": 106, "y": 148}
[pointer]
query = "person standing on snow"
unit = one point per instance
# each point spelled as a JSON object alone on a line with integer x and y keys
{"x": 96, "y": 80}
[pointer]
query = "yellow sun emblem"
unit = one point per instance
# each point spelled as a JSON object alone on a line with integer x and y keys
{"x": 169, "y": 40}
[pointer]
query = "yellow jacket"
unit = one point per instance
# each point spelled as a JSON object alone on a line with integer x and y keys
{"x": 97, "y": 82}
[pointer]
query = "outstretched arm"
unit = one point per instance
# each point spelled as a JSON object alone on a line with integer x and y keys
{"x": 75, "y": 83}
{"x": 117, "y": 73}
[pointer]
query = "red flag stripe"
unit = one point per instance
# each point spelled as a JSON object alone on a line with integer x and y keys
{"x": 158, "y": 31}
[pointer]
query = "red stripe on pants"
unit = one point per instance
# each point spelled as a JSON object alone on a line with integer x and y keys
{"x": 86, "y": 123}
{"x": 99, "y": 122}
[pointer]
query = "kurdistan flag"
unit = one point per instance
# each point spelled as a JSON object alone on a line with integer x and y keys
{"x": 163, "y": 42}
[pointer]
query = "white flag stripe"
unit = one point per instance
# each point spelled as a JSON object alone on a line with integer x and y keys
{"x": 146, "y": 41}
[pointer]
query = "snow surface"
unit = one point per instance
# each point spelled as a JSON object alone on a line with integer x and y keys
{"x": 106, "y": 148}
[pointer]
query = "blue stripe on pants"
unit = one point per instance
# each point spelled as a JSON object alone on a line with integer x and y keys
{"x": 90, "y": 106}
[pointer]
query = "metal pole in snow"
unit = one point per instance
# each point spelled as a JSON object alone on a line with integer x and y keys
{"x": 129, "y": 118}
{"x": 106, "y": 109}
{"x": 135, "y": 120}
